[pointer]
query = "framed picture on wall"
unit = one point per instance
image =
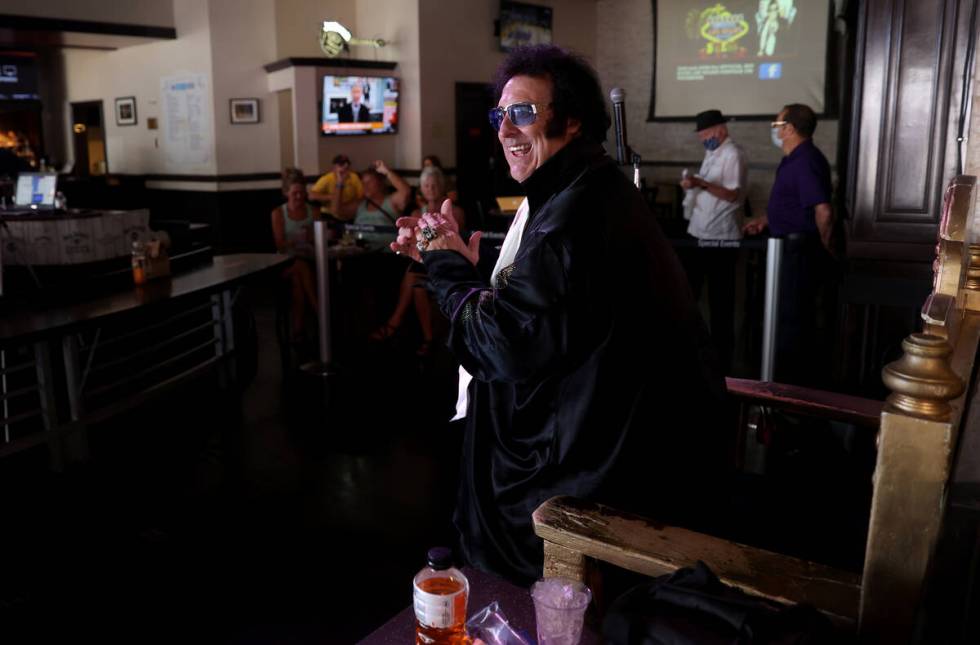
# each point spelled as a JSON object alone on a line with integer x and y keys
{"x": 126, "y": 110}
{"x": 244, "y": 110}
{"x": 524, "y": 24}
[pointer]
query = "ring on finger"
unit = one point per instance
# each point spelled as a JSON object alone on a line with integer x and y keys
{"x": 428, "y": 233}
{"x": 422, "y": 245}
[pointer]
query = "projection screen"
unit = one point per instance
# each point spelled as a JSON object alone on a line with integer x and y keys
{"x": 744, "y": 57}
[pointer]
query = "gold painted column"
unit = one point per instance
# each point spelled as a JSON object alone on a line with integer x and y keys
{"x": 914, "y": 458}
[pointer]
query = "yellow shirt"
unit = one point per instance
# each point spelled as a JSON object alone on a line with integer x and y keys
{"x": 352, "y": 190}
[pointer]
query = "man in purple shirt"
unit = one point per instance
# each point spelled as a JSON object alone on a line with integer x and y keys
{"x": 799, "y": 210}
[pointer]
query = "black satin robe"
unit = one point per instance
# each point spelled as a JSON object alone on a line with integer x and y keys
{"x": 592, "y": 370}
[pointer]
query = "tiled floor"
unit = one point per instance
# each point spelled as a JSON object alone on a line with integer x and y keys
{"x": 271, "y": 517}
{"x": 264, "y": 519}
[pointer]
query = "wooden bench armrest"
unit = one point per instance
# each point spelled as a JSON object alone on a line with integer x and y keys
{"x": 635, "y": 543}
{"x": 818, "y": 403}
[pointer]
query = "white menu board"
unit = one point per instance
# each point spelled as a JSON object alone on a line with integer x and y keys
{"x": 188, "y": 141}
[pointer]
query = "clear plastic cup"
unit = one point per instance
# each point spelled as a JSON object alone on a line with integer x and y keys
{"x": 559, "y": 607}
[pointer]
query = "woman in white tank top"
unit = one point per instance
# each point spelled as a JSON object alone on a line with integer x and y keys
{"x": 292, "y": 229}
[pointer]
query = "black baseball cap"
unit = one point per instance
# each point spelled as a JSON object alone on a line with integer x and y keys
{"x": 707, "y": 119}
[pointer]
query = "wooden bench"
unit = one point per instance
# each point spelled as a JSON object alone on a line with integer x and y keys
{"x": 919, "y": 425}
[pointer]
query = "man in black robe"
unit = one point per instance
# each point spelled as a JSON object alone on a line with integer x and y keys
{"x": 593, "y": 373}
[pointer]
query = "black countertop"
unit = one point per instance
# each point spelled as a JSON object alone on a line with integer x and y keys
{"x": 29, "y": 318}
{"x": 21, "y": 214}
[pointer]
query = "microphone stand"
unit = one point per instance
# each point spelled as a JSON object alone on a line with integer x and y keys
{"x": 624, "y": 154}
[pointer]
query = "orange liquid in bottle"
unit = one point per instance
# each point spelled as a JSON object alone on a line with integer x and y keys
{"x": 455, "y": 632}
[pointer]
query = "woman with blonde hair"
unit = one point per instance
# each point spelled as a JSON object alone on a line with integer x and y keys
{"x": 292, "y": 230}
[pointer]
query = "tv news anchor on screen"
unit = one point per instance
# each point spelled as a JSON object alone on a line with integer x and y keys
{"x": 359, "y": 105}
{"x": 355, "y": 111}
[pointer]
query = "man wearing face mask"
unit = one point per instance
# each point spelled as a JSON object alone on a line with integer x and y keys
{"x": 799, "y": 211}
{"x": 713, "y": 204}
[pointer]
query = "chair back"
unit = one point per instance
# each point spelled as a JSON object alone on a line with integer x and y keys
{"x": 919, "y": 429}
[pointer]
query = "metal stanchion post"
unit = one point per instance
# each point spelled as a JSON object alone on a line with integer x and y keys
{"x": 323, "y": 366}
{"x": 756, "y": 452}
{"x": 770, "y": 327}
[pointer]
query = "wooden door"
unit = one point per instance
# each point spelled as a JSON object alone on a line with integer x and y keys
{"x": 912, "y": 64}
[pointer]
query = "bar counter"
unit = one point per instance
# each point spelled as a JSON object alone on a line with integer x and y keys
{"x": 68, "y": 360}
{"x": 43, "y": 317}
{"x": 72, "y": 237}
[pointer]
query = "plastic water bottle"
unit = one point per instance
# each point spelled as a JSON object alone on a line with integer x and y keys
{"x": 440, "y": 595}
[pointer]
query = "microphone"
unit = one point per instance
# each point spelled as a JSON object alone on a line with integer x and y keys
{"x": 617, "y": 95}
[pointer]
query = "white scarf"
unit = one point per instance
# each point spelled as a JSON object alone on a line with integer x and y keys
{"x": 508, "y": 251}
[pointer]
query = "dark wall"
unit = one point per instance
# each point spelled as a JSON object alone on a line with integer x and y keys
{"x": 239, "y": 219}
{"x": 55, "y": 109}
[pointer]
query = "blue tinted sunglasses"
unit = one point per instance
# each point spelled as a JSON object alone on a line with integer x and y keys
{"x": 520, "y": 114}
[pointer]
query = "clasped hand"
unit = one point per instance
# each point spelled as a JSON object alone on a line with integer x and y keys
{"x": 434, "y": 232}
{"x": 693, "y": 182}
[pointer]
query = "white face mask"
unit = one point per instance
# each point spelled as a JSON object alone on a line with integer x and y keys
{"x": 776, "y": 141}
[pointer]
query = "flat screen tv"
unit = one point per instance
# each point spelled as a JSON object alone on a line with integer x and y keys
{"x": 743, "y": 57}
{"x": 18, "y": 76}
{"x": 359, "y": 105}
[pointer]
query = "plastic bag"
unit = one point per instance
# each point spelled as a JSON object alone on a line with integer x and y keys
{"x": 491, "y": 626}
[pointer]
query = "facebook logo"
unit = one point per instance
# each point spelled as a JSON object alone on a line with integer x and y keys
{"x": 770, "y": 70}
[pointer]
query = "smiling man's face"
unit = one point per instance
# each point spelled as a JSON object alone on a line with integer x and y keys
{"x": 527, "y": 147}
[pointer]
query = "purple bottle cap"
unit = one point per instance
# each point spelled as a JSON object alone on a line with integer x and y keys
{"x": 440, "y": 558}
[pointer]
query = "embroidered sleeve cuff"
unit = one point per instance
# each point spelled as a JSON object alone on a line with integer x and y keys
{"x": 453, "y": 280}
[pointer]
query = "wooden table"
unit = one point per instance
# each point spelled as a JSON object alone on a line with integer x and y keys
{"x": 515, "y": 602}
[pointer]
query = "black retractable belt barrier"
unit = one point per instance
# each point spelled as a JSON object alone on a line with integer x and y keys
{"x": 773, "y": 247}
{"x": 391, "y": 230}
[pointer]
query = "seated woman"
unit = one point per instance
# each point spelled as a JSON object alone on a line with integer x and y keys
{"x": 427, "y": 162}
{"x": 433, "y": 189}
{"x": 292, "y": 229}
{"x": 379, "y": 208}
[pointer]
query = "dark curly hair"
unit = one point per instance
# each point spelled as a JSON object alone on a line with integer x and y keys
{"x": 575, "y": 88}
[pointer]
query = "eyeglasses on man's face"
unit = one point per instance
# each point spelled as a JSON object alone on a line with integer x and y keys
{"x": 778, "y": 124}
{"x": 520, "y": 114}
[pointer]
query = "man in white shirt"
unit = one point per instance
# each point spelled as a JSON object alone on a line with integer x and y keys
{"x": 713, "y": 204}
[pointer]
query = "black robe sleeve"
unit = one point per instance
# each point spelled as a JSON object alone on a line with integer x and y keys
{"x": 514, "y": 332}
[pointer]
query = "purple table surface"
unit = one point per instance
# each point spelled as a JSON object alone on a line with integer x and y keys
{"x": 514, "y": 601}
